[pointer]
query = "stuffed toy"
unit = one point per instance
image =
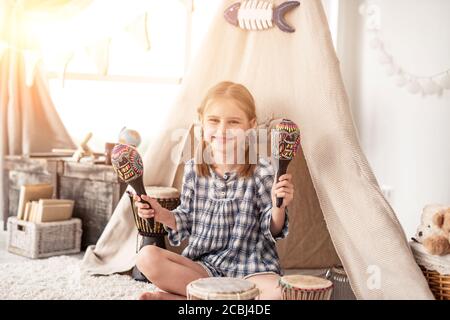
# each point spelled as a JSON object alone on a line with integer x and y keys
{"x": 442, "y": 221}
{"x": 434, "y": 231}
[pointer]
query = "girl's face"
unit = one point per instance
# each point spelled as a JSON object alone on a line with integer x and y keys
{"x": 225, "y": 125}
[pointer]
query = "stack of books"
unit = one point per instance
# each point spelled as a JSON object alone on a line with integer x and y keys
{"x": 36, "y": 205}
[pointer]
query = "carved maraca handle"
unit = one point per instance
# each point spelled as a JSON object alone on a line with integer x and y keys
{"x": 138, "y": 186}
{"x": 281, "y": 171}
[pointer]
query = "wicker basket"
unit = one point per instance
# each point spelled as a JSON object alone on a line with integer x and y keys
{"x": 436, "y": 270}
{"x": 439, "y": 284}
{"x": 41, "y": 240}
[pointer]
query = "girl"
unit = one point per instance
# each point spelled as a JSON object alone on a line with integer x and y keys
{"x": 227, "y": 207}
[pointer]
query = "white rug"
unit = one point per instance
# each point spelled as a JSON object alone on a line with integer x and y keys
{"x": 59, "y": 278}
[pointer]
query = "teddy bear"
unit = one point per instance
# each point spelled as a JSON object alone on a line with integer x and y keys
{"x": 442, "y": 221}
{"x": 434, "y": 230}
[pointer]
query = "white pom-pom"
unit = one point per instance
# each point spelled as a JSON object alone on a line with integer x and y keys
{"x": 376, "y": 43}
{"x": 401, "y": 81}
{"x": 444, "y": 82}
{"x": 391, "y": 70}
{"x": 414, "y": 87}
{"x": 384, "y": 58}
{"x": 373, "y": 13}
{"x": 430, "y": 87}
{"x": 373, "y": 25}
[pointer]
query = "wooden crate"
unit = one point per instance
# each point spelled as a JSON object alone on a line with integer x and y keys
{"x": 95, "y": 189}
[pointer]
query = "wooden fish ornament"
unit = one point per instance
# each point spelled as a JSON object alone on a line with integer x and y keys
{"x": 260, "y": 15}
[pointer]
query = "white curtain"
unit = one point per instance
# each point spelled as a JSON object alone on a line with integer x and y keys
{"x": 29, "y": 122}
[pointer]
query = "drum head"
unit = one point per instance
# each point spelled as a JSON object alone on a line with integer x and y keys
{"x": 305, "y": 282}
{"x": 162, "y": 192}
{"x": 223, "y": 289}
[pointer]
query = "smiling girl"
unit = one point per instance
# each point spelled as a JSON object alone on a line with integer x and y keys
{"x": 227, "y": 208}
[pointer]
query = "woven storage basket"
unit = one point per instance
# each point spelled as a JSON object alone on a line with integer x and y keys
{"x": 41, "y": 240}
{"x": 436, "y": 270}
{"x": 438, "y": 283}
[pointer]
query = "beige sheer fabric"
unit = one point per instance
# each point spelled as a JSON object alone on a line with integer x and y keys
{"x": 295, "y": 76}
{"x": 30, "y": 122}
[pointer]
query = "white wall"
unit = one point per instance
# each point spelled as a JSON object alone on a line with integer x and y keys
{"x": 405, "y": 137}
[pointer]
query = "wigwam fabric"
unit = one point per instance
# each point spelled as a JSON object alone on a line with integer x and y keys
{"x": 339, "y": 212}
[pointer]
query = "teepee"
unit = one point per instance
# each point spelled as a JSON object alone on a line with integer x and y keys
{"x": 339, "y": 214}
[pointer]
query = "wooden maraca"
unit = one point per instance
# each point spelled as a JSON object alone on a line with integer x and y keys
{"x": 285, "y": 143}
{"x": 127, "y": 163}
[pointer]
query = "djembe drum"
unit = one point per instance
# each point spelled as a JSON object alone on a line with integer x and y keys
{"x": 342, "y": 289}
{"x": 153, "y": 234}
{"x": 296, "y": 287}
{"x": 221, "y": 289}
{"x": 168, "y": 198}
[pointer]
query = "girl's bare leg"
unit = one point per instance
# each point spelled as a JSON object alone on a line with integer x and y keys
{"x": 267, "y": 285}
{"x": 168, "y": 271}
{"x": 160, "y": 295}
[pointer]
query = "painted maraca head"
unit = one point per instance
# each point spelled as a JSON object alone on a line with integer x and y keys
{"x": 127, "y": 162}
{"x": 285, "y": 140}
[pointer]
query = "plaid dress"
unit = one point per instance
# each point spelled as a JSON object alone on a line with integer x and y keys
{"x": 227, "y": 219}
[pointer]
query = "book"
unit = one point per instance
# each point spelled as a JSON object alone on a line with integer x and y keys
{"x": 33, "y": 192}
{"x": 49, "y": 202}
{"x": 26, "y": 214}
{"x": 34, "y": 207}
{"x": 50, "y": 210}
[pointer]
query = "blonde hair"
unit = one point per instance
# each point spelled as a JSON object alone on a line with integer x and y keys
{"x": 242, "y": 97}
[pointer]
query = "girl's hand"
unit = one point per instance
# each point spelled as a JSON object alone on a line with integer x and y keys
{"x": 143, "y": 208}
{"x": 283, "y": 189}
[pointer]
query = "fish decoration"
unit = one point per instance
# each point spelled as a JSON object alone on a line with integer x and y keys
{"x": 260, "y": 15}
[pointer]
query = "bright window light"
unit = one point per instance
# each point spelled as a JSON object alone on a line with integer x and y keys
{"x": 141, "y": 85}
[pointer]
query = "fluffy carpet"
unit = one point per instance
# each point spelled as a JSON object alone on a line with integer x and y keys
{"x": 59, "y": 278}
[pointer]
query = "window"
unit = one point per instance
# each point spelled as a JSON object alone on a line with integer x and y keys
{"x": 147, "y": 52}
{"x": 146, "y": 59}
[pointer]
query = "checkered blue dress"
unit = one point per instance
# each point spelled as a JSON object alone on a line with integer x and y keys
{"x": 227, "y": 219}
